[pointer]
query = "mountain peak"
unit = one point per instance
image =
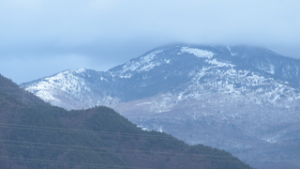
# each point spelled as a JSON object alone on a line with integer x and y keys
{"x": 172, "y": 67}
{"x": 231, "y": 97}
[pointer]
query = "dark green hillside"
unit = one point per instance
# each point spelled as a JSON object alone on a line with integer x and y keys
{"x": 43, "y": 136}
{"x": 12, "y": 89}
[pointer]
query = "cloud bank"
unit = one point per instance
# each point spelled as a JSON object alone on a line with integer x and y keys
{"x": 43, "y": 36}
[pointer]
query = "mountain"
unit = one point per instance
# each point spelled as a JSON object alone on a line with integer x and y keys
{"x": 45, "y": 136}
{"x": 12, "y": 89}
{"x": 237, "y": 98}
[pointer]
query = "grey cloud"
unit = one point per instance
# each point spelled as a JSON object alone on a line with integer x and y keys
{"x": 107, "y": 33}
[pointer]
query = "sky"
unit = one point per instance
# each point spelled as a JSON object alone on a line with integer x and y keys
{"x": 39, "y": 38}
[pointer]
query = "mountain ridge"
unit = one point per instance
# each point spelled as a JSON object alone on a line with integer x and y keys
{"x": 231, "y": 97}
{"x": 45, "y": 136}
{"x": 115, "y": 75}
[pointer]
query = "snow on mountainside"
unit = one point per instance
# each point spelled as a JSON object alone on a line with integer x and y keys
{"x": 231, "y": 97}
{"x": 168, "y": 62}
{"x": 71, "y": 88}
{"x": 66, "y": 81}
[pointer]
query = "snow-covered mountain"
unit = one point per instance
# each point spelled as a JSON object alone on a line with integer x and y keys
{"x": 232, "y": 97}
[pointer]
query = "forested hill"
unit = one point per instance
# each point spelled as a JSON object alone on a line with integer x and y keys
{"x": 12, "y": 89}
{"x": 36, "y": 135}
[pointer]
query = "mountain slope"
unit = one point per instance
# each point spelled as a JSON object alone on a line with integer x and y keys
{"x": 45, "y": 136}
{"x": 168, "y": 69}
{"x": 231, "y": 97}
{"x": 12, "y": 89}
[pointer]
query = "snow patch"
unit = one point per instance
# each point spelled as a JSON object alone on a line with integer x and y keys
{"x": 232, "y": 54}
{"x": 180, "y": 95}
{"x": 197, "y": 52}
{"x": 219, "y": 64}
{"x": 142, "y": 64}
{"x": 149, "y": 66}
{"x": 150, "y": 56}
{"x": 271, "y": 139}
{"x": 102, "y": 78}
{"x": 160, "y": 129}
{"x": 143, "y": 128}
{"x": 272, "y": 71}
{"x": 144, "y": 103}
{"x": 45, "y": 95}
{"x": 81, "y": 70}
{"x": 167, "y": 61}
{"x": 127, "y": 76}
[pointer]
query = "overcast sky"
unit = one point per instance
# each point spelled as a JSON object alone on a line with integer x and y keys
{"x": 41, "y": 37}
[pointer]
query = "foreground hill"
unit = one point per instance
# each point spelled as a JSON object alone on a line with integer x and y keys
{"x": 237, "y": 98}
{"x": 44, "y": 136}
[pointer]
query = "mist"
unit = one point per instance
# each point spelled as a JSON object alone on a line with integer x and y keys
{"x": 41, "y": 37}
